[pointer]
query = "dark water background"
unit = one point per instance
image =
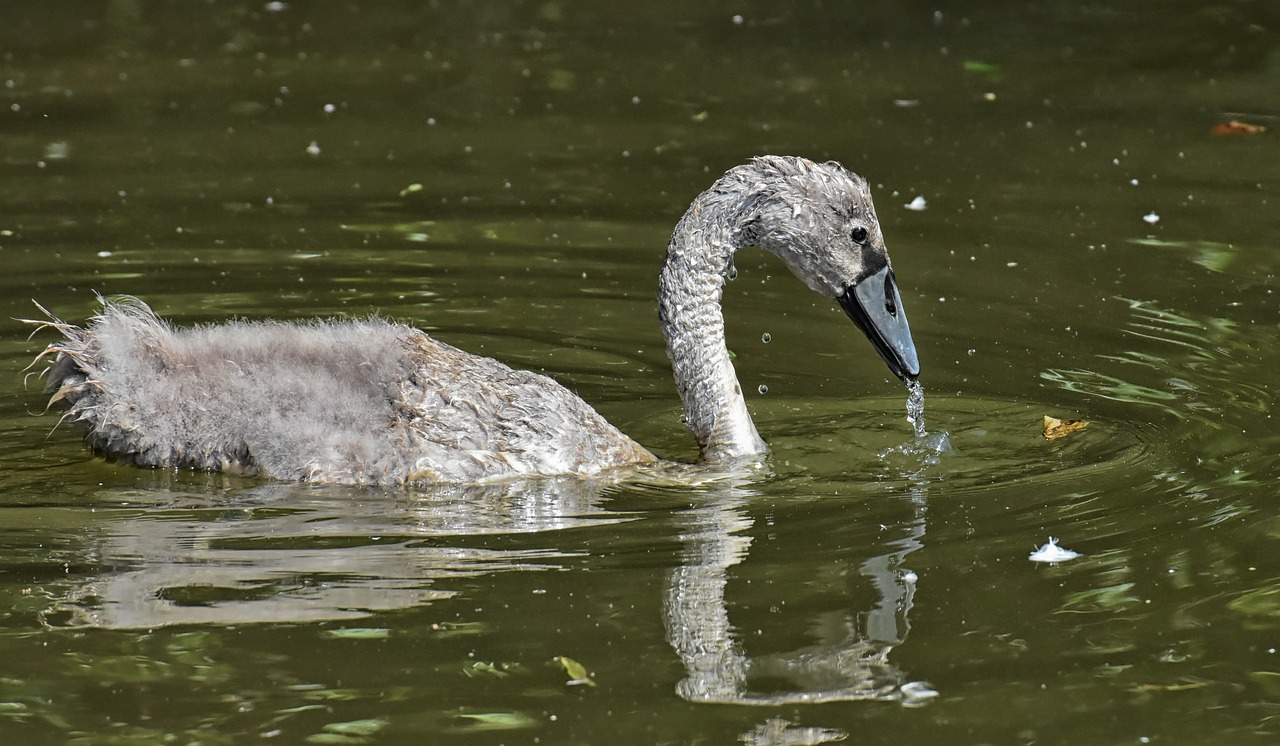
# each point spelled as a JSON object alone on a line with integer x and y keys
{"x": 251, "y": 159}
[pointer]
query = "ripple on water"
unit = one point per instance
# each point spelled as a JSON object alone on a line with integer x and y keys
{"x": 970, "y": 445}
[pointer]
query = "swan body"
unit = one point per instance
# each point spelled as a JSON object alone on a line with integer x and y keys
{"x": 373, "y": 402}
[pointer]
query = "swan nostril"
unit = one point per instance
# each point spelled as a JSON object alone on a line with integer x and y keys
{"x": 890, "y": 305}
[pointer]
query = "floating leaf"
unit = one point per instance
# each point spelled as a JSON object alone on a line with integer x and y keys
{"x": 1055, "y": 428}
{"x": 1236, "y": 127}
{"x": 577, "y": 672}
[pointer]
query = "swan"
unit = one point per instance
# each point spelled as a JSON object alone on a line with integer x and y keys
{"x": 375, "y": 402}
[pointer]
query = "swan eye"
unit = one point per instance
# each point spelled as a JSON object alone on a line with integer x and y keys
{"x": 859, "y": 235}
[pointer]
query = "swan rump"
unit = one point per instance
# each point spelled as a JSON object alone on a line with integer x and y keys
{"x": 372, "y": 402}
{"x": 348, "y": 402}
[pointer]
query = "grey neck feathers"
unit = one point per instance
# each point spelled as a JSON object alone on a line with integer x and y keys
{"x": 698, "y": 259}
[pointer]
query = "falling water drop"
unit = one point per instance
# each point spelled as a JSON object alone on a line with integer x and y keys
{"x": 766, "y": 338}
{"x": 731, "y": 274}
{"x": 763, "y": 389}
{"x": 915, "y": 407}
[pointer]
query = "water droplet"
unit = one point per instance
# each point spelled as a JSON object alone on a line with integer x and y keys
{"x": 766, "y": 338}
{"x": 763, "y": 389}
{"x": 731, "y": 274}
{"x": 915, "y": 408}
{"x": 972, "y": 351}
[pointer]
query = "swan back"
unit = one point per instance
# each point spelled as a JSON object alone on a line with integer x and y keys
{"x": 362, "y": 401}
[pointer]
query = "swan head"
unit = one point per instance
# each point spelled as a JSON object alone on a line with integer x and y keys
{"x": 820, "y": 220}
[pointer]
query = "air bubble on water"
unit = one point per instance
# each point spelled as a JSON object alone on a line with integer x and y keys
{"x": 763, "y": 389}
{"x": 766, "y": 338}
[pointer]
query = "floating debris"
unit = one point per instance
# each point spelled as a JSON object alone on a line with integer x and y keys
{"x": 1151, "y": 218}
{"x": 918, "y": 204}
{"x": 1236, "y": 127}
{"x": 578, "y": 675}
{"x": 1053, "y": 553}
{"x": 1055, "y": 428}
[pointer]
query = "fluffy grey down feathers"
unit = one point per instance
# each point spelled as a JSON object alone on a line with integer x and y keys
{"x": 350, "y": 402}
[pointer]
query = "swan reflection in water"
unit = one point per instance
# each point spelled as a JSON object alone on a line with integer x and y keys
{"x": 850, "y": 660}
{"x": 296, "y": 553}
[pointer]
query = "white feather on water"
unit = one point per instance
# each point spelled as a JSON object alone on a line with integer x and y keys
{"x": 1051, "y": 552}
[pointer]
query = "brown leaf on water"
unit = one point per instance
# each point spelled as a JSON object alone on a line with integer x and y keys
{"x": 1236, "y": 127}
{"x": 1055, "y": 428}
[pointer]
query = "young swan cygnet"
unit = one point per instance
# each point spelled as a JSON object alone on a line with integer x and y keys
{"x": 372, "y": 402}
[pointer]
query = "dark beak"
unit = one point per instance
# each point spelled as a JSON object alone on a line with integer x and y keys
{"x": 875, "y": 306}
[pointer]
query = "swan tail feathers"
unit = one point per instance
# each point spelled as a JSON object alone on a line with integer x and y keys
{"x": 76, "y": 373}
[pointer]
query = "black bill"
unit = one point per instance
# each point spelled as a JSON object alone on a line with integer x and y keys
{"x": 875, "y": 306}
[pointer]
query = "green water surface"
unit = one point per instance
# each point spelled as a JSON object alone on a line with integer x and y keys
{"x": 506, "y": 175}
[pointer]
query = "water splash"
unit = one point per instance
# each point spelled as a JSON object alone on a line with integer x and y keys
{"x": 925, "y": 449}
{"x": 915, "y": 408}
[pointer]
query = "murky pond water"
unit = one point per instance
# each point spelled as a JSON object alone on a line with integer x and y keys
{"x": 1089, "y": 248}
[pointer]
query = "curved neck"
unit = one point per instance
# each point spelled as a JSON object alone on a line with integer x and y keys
{"x": 689, "y": 291}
